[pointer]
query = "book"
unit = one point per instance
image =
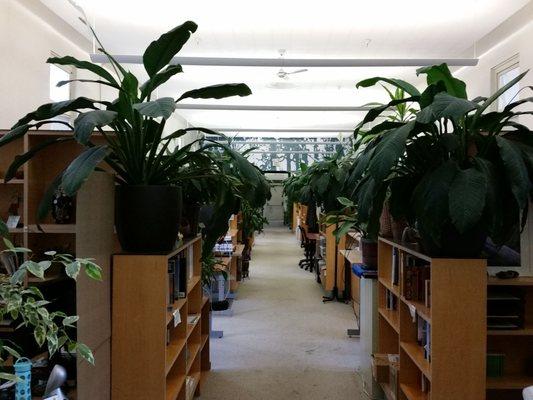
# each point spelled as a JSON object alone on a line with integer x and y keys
{"x": 395, "y": 266}
{"x": 180, "y": 272}
{"x": 171, "y": 285}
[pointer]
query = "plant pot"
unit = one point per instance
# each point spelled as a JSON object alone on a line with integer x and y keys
{"x": 147, "y": 218}
{"x": 190, "y": 220}
{"x": 369, "y": 253}
{"x": 385, "y": 222}
{"x": 454, "y": 244}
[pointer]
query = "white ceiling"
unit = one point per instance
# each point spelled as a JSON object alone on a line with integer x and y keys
{"x": 312, "y": 29}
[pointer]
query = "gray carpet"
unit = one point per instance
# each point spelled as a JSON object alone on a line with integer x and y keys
{"x": 282, "y": 342}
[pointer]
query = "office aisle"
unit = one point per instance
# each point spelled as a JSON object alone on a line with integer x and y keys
{"x": 283, "y": 343}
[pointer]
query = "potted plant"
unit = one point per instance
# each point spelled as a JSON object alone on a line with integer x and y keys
{"x": 460, "y": 170}
{"x": 29, "y": 309}
{"x": 346, "y": 219}
{"x": 136, "y": 146}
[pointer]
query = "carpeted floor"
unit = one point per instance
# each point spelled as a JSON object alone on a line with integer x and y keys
{"x": 282, "y": 342}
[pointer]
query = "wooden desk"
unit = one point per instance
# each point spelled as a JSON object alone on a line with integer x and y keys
{"x": 353, "y": 256}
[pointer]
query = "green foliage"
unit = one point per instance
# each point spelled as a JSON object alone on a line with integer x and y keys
{"x": 137, "y": 146}
{"x": 28, "y": 308}
{"x": 450, "y": 163}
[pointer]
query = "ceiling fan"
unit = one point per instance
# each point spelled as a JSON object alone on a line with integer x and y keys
{"x": 282, "y": 74}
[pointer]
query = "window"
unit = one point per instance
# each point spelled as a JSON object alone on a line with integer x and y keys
{"x": 502, "y": 75}
{"x": 58, "y": 74}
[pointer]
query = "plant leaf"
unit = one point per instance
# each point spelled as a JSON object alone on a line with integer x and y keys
{"x": 50, "y": 110}
{"x": 158, "y": 79}
{"x": 70, "y": 321}
{"x": 445, "y": 106}
{"x": 14, "y": 134}
{"x": 516, "y": 170}
{"x": 21, "y": 159}
{"x": 218, "y": 91}
{"x": 73, "y": 269}
{"x": 405, "y": 86}
{"x": 441, "y": 73}
{"x": 161, "y": 51}
{"x": 46, "y": 200}
{"x": 163, "y": 107}
{"x": 81, "y": 167}
{"x": 467, "y": 196}
{"x": 93, "y": 271}
{"x": 86, "y": 65}
{"x": 85, "y": 123}
{"x": 34, "y": 268}
{"x": 388, "y": 151}
{"x": 39, "y": 334}
{"x": 85, "y": 353}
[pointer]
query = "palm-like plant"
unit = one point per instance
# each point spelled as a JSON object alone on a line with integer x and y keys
{"x": 137, "y": 147}
{"x": 458, "y": 169}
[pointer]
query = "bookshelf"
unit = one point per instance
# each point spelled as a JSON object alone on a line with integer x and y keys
{"x": 160, "y": 350}
{"x": 441, "y": 342}
{"x": 90, "y": 234}
{"x": 514, "y": 344}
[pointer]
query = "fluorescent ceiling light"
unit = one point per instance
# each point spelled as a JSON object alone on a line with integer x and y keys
{"x": 302, "y": 62}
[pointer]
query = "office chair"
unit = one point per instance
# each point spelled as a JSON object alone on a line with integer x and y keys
{"x": 309, "y": 247}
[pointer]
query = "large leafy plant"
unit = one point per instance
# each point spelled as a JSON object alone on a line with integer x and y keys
{"x": 458, "y": 166}
{"x": 27, "y": 307}
{"x": 136, "y": 144}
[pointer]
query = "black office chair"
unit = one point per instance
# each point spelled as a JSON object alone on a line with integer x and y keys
{"x": 309, "y": 246}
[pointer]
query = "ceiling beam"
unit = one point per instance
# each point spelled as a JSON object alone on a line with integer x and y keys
{"x": 287, "y": 130}
{"x": 294, "y": 62}
{"x": 227, "y": 107}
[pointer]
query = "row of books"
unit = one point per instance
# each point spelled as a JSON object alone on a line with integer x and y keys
{"x": 391, "y": 301}
{"x": 180, "y": 270}
{"x": 416, "y": 282}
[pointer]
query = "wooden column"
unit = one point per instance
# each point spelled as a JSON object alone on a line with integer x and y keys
{"x": 95, "y": 239}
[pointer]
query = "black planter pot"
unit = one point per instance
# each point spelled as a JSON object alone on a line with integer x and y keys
{"x": 454, "y": 244}
{"x": 369, "y": 253}
{"x": 147, "y": 218}
{"x": 190, "y": 220}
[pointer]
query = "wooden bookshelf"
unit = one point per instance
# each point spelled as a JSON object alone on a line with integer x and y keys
{"x": 455, "y": 365}
{"x": 144, "y": 366}
{"x": 89, "y": 235}
{"x": 515, "y": 344}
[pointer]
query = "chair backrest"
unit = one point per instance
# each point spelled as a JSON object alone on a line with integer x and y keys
{"x": 303, "y": 235}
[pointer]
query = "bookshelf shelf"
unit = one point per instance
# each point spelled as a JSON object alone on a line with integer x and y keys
{"x": 416, "y": 354}
{"x": 392, "y": 288}
{"x": 412, "y": 392}
{"x": 52, "y": 228}
{"x": 191, "y": 284}
{"x": 391, "y": 317}
{"x": 177, "y": 306}
{"x": 426, "y": 332}
{"x": 509, "y": 382}
{"x": 194, "y": 350}
{"x": 173, "y": 351}
{"x": 166, "y": 355}
{"x": 174, "y": 387}
{"x": 421, "y": 309}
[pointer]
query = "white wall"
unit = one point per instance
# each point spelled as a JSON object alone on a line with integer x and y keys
{"x": 26, "y": 41}
{"x": 29, "y": 33}
{"x": 512, "y": 37}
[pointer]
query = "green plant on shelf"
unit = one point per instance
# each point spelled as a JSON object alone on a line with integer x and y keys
{"x": 137, "y": 146}
{"x": 27, "y": 308}
{"x": 459, "y": 170}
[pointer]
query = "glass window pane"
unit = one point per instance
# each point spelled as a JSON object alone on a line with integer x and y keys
{"x": 59, "y": 93}
{"x": 504, "y": 78}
